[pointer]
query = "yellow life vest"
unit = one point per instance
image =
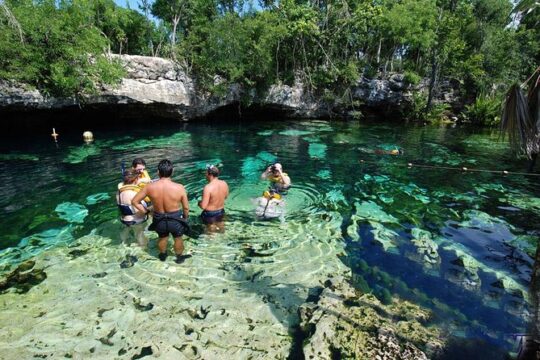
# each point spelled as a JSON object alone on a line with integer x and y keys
{"x": 276, "y": 178}
{"x": 144, "y": 176}
{"x": 271, "y": 195}
{"x": 136, "y": 188}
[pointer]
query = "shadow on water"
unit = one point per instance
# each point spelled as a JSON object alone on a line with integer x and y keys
{"x": 282, "y": 300}
{"x": 462, "y": 349}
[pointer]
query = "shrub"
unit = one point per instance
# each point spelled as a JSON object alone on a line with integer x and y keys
{"x": 485, "y": 110}
{"x": 412, "y": 78}
{"x": 418, "y": 109}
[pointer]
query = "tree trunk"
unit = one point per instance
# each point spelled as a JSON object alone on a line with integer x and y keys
{"x": 379, "y": 52}
{"x": 432, "y": 80}
{"x": 532, "y": 162}
{"x": 175, "y": 21}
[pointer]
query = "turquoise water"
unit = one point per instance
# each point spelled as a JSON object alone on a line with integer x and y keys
{"x": 459, "y": 243}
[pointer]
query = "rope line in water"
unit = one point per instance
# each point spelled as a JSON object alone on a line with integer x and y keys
{"x": 465, "y": 169}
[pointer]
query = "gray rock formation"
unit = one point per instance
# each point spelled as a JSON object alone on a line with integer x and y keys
{"x": 160, "y": 87}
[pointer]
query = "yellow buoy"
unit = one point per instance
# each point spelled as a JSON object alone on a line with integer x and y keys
{"x": 88, "y": 136}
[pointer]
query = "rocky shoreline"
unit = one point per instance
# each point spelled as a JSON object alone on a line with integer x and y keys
{"x": 160, "y": 88}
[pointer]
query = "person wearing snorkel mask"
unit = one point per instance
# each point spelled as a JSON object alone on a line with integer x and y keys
{"x": 280, "y": 181}
{"x": 213, "y": 200}
{"x": 139, "y": 165}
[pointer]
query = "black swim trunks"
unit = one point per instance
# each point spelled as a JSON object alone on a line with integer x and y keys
{"x": 169, "y": 223}
{"x": 213, "y": 216}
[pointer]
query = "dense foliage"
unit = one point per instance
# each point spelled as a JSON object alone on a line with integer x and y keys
{"x": 325, "y": 44}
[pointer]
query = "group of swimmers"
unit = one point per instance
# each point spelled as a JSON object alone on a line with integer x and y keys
{"x": 138, "y": 196}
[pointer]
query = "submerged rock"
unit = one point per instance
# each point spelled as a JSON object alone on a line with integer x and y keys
{"x": 346, "y": 325}
{"x": 71, "y": 212}
{"x": 385, "y": 237}
{"x": 426, "y": 249}
{"x": 23, "y": 278}
{"x": 129, "y": 261}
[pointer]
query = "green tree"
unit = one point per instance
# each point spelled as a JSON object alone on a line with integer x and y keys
{"x": 61, "y": 51}
{"x": 173, "y": 12}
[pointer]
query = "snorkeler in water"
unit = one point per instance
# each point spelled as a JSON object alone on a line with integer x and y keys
{"x": 396, "y": 151}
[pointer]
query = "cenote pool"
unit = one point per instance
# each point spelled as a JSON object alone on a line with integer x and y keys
{"x": 458, "y": 243}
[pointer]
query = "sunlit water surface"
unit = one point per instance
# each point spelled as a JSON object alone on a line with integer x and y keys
{"x": 459, "y": 243}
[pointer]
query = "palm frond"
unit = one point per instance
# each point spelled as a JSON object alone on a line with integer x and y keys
{"x": 516, "y": 121}
{"x": 533, "y": 98}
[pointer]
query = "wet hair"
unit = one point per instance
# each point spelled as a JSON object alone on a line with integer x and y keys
{"x": 138, "y": 161}
{"x": 165, "y": 168}
{"x": 130, "y": 176}
{"x": 212, "y": 170}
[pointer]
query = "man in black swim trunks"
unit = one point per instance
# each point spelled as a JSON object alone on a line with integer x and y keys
{"x": 166, "y": 197}
{"x": 213, "y": 200}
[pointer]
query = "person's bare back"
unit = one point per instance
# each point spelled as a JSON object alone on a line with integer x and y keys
{"x": 166, "y": 195}
{"x": 217, "y": 191}
{"x": 213, "y": 200}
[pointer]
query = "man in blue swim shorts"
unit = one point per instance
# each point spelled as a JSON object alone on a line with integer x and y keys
{"x": 213, "y": 200}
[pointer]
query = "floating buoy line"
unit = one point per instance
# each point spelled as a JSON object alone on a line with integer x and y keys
{"x": 462, "y": 169}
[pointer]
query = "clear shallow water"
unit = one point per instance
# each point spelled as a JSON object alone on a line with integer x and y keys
{"x": 454, "y": 242}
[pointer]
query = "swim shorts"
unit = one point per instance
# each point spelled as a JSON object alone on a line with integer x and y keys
{"x": 211, "y": 217}
{"x": 169, "y": 223}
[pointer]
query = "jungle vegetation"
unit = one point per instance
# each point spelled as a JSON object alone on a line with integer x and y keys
{"x": 61, "y": 46}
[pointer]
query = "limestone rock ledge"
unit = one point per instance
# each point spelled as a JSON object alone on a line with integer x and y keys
{"x": 344, "y": 324}
{"x": 160, "y": 87}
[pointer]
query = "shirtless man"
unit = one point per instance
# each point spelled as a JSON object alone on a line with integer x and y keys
{"x": 166, "y": 197}
{"x": 213, "y": 200}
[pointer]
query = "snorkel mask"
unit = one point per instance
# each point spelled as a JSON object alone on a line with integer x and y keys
{"x": 212, "y": 169}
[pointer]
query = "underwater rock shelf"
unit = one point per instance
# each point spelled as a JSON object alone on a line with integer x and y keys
{"x": 240, "y": 304}
{"x": 346, "y": 324}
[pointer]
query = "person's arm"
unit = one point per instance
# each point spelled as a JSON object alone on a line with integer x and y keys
{"x": 205, "y": 198}
{"x": 285, "y": 179}
{"x": 136, "y": 201}
{"x": 185, "y": 205}
{"x": 266, "y": 173}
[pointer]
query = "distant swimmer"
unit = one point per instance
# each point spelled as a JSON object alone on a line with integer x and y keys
{"x": 166, "y": 197}
{"x": 395, "y": 151}
{"x": 213, "y": 200}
